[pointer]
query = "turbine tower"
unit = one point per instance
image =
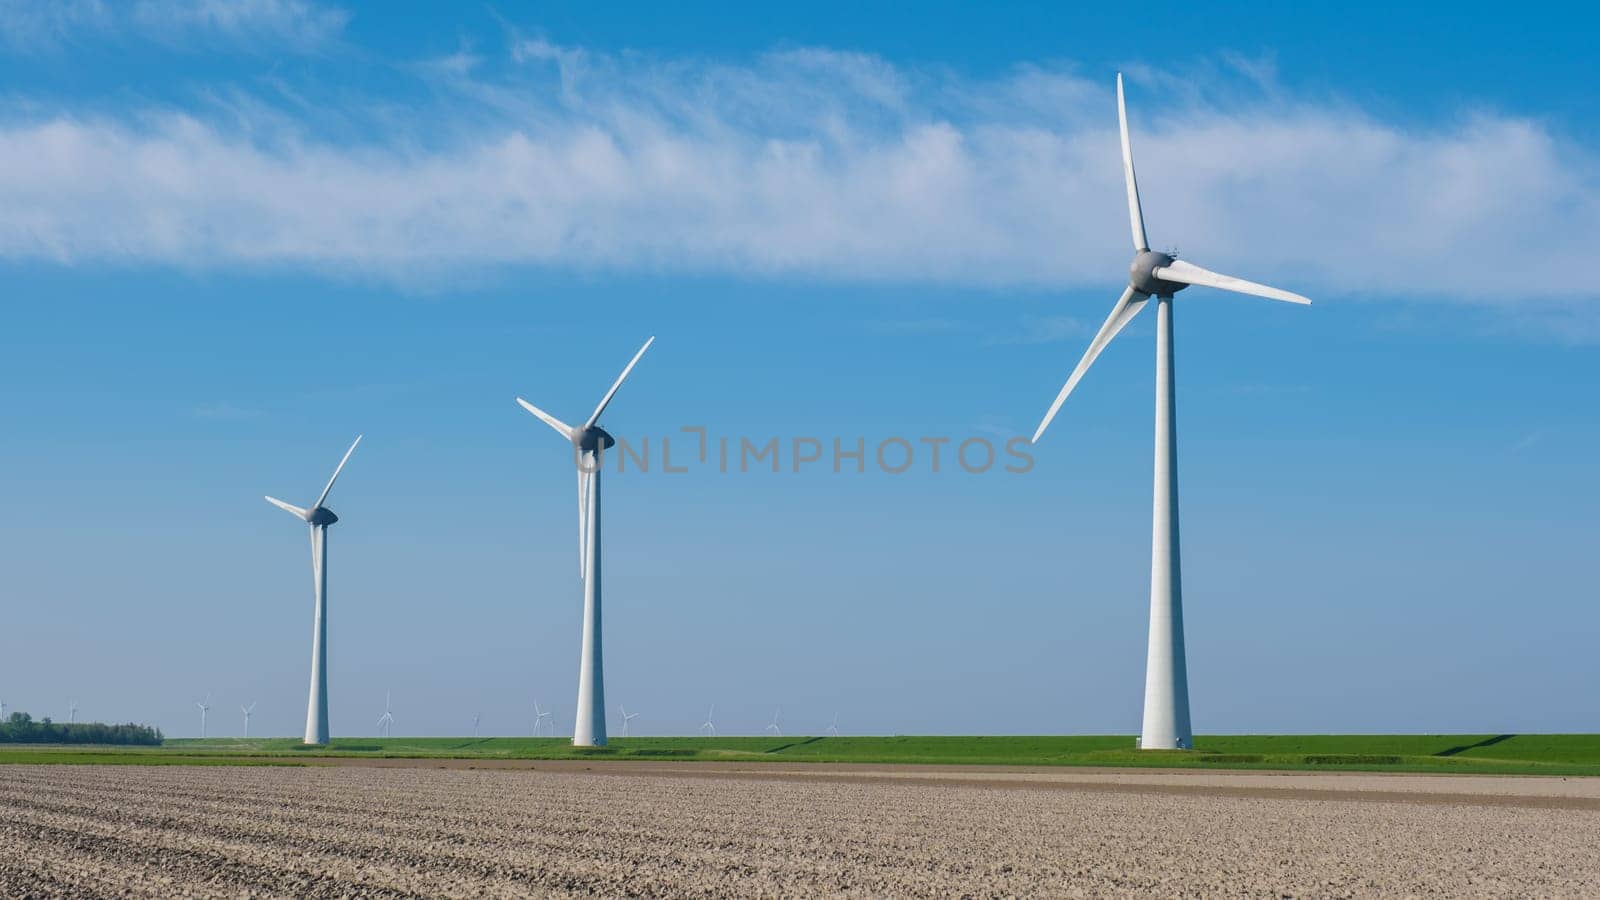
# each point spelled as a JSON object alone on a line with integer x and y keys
{"x": 708, "y": 727}
{"x": 205, "y": 707}
{"x": 1159, "y": 275}
{"x": 319, "y": 517}
{"x": 626, "y": 718}
{"x": 247, "y": 710}
{"x": 589, "y": 443}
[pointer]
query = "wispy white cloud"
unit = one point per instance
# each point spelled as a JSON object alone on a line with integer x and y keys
{"x": 823, "y": 164}
{"x": 291, "y": 24}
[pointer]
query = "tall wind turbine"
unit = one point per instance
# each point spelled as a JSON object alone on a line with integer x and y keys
{"x": 319, "y": 517}
{"x": 626, "y": 718}
{"x": 589, "y": 443}
{"x": 386, "y": 721}
{"x": 205, "y": 707}
{"x": 708, "y": 727}
{"x": 247, "y": 710}
{"x": 1159, "y": 275}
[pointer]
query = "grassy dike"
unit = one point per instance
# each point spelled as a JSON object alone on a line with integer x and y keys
{"x": 1571, "y": 754}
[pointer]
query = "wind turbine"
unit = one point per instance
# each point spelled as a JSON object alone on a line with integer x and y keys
{"x": 2, "y": 710}
{"x": 475, "y": 718}
{"x": 386, "y": 721}
{"x": 589, "y": 443}
{"x": 1159, "y": 275}
{"x": 833, "y": 730}
{"x": 708, "y": 727}
{"x": 205, "y": 707}
{"x": 626, "y": 718}
{"x": 319, "y": 517}
{"x": 247, "y": 710}
{"x": 773, "y": 725}
{"x": 72, "y": 713}
{"x": 539, "y": 716}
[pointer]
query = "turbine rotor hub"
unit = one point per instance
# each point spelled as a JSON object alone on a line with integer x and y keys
{"x": 593, "y": 439}
{"x": 1142, "y": 274}
{"x": 322, "y": 516}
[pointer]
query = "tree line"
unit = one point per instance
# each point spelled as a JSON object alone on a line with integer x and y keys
{"x": 20, "y": 728}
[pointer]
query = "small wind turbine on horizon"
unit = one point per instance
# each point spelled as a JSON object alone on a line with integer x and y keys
{"x": 475, "y": 718}
{"x": 626, "y": 718}
{"x": 773, "y": 725}
{"x": 72, "y": 711}
{"x": 247, "y": 710}
{"x": 205, "y": 707}
{"x": 1166, "y": 688}
{"x": 319, "y": 517}
{"x": 833, "y": 730}
{"x": 709, "y": 727}
{"x": 539, "y": 717}
{"x": 589, "y": 443}
{"x": 386, "y": 721}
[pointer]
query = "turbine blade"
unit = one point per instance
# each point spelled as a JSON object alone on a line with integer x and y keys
{"x": 287, "y": 507}
{"x": 1189, "y": 273}
{"x": 1135, "y": 213}
{"x": 336, "y": 471}
{"x": 606, "y": 400}
{"x": 1128, "y": 306}
{"x": 561, "y": 427}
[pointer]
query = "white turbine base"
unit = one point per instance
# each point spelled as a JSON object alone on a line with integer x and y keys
{"x": 1166, "y": 679}
{"x": 590, "y": 729}
{"x": 317, "y": 704}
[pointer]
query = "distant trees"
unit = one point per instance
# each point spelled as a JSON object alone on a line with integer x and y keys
{"x": 20, "y": 728}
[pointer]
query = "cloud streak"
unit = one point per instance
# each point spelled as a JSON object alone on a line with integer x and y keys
{"x": 33, "y": 25}
{"x": 812, "y": 163}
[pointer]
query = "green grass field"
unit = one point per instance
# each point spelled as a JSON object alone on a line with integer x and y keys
{"x": 1531, "y": 754}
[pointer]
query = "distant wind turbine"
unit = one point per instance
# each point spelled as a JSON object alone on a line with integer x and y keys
{"x": 833, "y": 730}
{"x": 247, "y": 710}
{"x": 773, "y": 725}
{"x": 539, "y": 717}
{"x": 589, "y": 443}
{"x": 72, "y": 712}
{"x": 205, "y": 707}
{"x": 2, "y": 710}
{"x": 1166, "y": 685}
{"x": 475, "y": 718}
{"x": 626, "y": 718}
{"x": 319, "y": 517}
{"x": 708, "y": 727}
{"x": 386, "y": 721}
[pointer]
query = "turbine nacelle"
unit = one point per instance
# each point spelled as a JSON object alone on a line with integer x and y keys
{"x": 592, "y": 439}
{"x": 1143, "y": 278}
{"x": 321, "y": 517}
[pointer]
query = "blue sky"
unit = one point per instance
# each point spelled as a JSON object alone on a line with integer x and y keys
{"x": 234, "y": 235}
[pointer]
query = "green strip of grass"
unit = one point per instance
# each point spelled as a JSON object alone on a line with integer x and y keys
{"x": 1476, "y": 754}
